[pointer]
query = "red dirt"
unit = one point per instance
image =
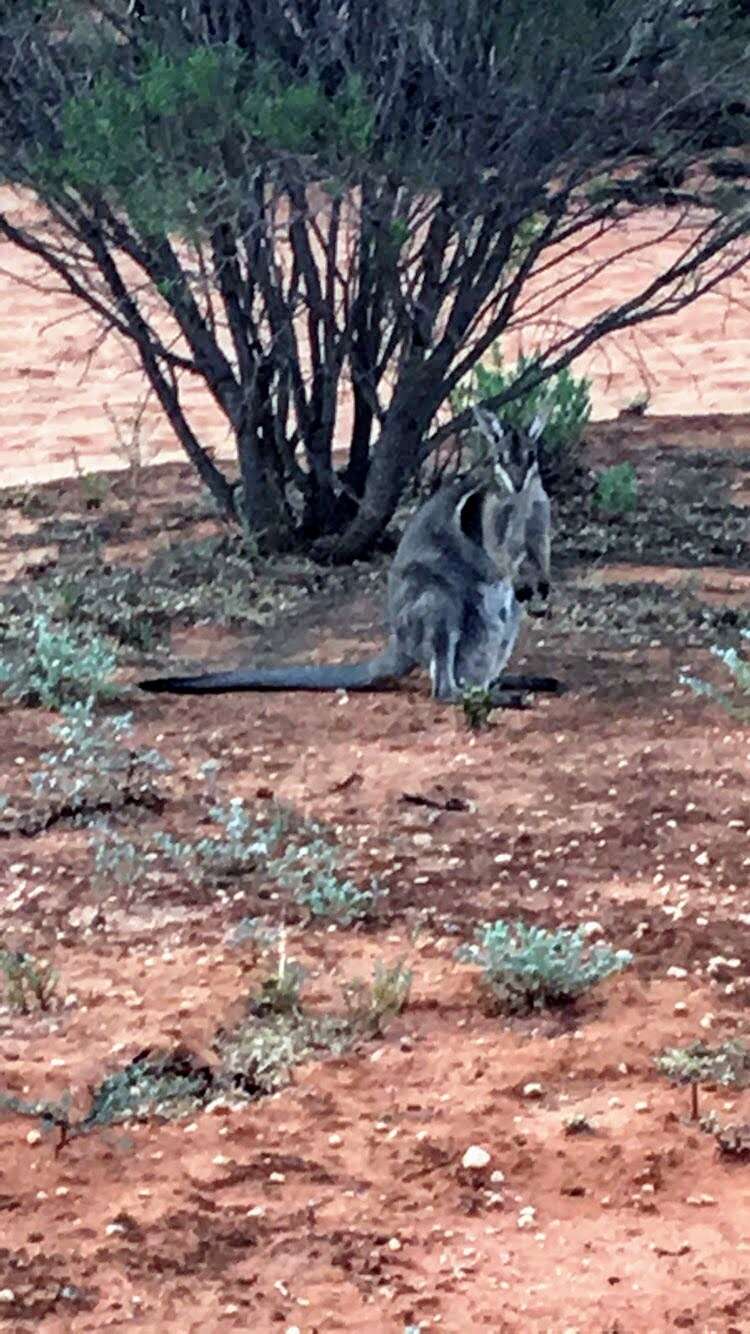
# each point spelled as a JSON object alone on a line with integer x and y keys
{"x": 341, "y": 1202}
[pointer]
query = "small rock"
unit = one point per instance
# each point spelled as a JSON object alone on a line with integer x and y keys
{"x": 533, "y": 1091}
{"x": 674, "y": 971}
{"x": 394, "y": 1244}
{"x": 475, "y": 1157}
{"x": 33, "y": 1137}
{"x": 334, "y": 1141}
{"x": 497, "y": 1177}
{"x": 7, "y": 1295}
{"x": 642, "y": 1106}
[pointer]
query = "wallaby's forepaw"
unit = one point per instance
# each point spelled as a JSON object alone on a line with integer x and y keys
{"x": 540, "y": 685}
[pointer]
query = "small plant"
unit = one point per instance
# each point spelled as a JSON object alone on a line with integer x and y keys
{"x": 291, "y": 853}
{"x": 310, "y": 871}
{"x": 477, "y": 705}
{"x": 699, "y": 1064}
{"x": 738, "y": 703}
{"x": 30, "y": 983}
{"x": 280, "y": 992}
{"x": 527, "y": 968}
{"x": 59, "y": 665}
{"x": 234, "y": 852}
{"x": 258, "y": 1056}
{"x": 93, "y": 768}
{"x": 117, "y": 860}
{"x": 617, "y": 489}
{"x": 372, "y": 1006}
{"x": 155, "y": 1083}
{"x": 564, "y": 399}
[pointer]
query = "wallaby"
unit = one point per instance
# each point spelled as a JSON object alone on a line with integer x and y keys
{"x": 468, "y": 559}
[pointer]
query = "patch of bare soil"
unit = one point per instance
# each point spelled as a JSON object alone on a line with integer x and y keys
{"x": 341, "y": 1202}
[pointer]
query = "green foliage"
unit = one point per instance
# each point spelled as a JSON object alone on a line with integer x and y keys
{"x": 93, "y": 767}
{"x": 617, "y": 489}
{"x": 737, "y": 704}
{"x": 372, "y": 1006}
{"x": 699, "y": 1063}
{"x": 58, "y": 665}
{"x": 311, "y": 871}
{"x": 29, "y": 983}
{"x": 150, "y": 144}
{"x": 162, "y": 145}
{"x": 477, "y": 705}
{"x": 215, "y": 858}
{"x": 528, "y": 968}
{"x": 299, "y": 117}
{"x": 166, "y": 1084}
{"x": 259, "y": 1054}
{"x": 564, "y": 400}
{"x": 295, "y": 855}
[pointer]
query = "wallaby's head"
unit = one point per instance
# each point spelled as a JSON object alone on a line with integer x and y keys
{"x": 517, "y": 523}
{"x": 513, "y": 452}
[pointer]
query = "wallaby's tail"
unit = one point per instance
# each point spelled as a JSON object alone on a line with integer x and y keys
{"x": 335, "y": 676}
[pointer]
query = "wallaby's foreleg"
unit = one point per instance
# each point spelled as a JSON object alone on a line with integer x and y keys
{"x": 443, "y": 663}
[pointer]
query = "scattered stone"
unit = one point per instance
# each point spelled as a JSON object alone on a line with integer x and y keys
{"x": 476, "y": 1158}
{"x": 533, "y": 1091}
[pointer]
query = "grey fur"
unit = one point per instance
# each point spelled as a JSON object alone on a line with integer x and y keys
{"x": 468, "y": 558}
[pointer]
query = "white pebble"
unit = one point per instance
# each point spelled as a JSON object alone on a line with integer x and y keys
{"x": 533, "y": 1091}
{"x": 475, "y": 1156}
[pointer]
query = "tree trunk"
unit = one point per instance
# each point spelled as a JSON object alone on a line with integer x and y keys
{"x": 392, "y": 463}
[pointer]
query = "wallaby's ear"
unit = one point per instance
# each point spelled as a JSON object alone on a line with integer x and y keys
{"x": 538, "y": 424}
{"x": 489, "y": 424}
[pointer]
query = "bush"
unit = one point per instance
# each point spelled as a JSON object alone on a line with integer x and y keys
{"x": 93, "y": 767}
{"x": 258, "y": 1055}
{"x": 59, "y": 665}
{"x": 294, "y": 855}
{"x": 698, "y": 1063}
{"x": 528, "y": 968}
{"x": 738, "y": 703}
{"x": 30, "y": 983}
{"x": 564, "y": 399}
{"x": 617, "y": 489}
